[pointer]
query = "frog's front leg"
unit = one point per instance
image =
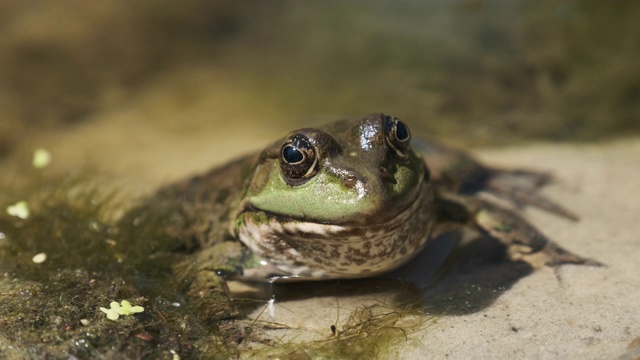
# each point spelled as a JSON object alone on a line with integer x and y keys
{"x": 205, "y": 275}
{"x": 524, "y": 242}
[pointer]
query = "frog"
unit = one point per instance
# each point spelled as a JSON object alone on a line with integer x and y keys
{"x": 347, "y": 200}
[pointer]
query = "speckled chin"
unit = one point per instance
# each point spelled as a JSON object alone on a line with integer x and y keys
{"x": 308, "y": 251}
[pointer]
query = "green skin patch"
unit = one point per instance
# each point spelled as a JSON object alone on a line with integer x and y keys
{"x": 324, "y": 199}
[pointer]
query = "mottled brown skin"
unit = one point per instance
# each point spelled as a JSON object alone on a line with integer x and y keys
{"x": 197, "y": 214}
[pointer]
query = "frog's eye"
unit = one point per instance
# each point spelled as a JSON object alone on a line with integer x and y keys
{"x": 298, "y": 159}
{"x": 398, "y": 136}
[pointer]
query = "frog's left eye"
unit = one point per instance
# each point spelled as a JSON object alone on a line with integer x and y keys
{"x": 398, "y": 136}
{"x": 298, "y": 159}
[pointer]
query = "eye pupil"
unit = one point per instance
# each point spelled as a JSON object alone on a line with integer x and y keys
{"x": 397, "y": 136}
{"x": 402, "y": 133}
{"x": 298, "y": 159}
{"x": 292, "y": 155}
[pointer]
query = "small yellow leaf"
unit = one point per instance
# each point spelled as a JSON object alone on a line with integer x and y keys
{"x": 41, "y": 158}
{"x": 19, "y": 209}
{"x": 111, "y": 314}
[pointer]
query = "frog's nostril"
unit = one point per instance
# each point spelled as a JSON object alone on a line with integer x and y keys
{"x": 349, "y": 181}
{"x": 386, "y": 176}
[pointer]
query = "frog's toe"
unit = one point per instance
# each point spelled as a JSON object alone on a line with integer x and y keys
{"x": 526, "y": 197}
{"x": 524, "y": 179}
{"x": 518, "y": 186}
{"x": 559, "y": 256}
{"x": 551, "y": 255}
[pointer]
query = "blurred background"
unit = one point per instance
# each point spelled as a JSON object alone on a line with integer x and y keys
{"x": 159, "y": 84}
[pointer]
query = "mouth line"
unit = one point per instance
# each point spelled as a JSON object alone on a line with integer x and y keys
{"x": 379, "y": 218}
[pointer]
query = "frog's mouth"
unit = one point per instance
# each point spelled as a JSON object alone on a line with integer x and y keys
{"x": 310, "y": 250}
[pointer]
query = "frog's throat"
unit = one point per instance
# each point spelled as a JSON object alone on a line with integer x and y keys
{"x": 308, "y": 250}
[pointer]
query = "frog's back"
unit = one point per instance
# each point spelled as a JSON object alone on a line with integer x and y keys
{"x": 194, "y": 212}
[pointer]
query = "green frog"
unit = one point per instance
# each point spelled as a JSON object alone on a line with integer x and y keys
{"x": 351, "y": 199}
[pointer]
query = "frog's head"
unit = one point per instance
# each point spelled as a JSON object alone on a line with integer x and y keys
{"x": 351, "y": 199}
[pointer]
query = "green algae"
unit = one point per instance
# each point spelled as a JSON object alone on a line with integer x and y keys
{"x": 52, "y": 308}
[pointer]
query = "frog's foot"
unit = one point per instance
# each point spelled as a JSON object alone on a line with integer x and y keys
{"x": 524, "y": 241}
{"x": 521, "y": 188}
{"x": 560, "y": 256}
{"x": 551, "y": 255}
{"x": 204, "y": 273}
{"x": 210, "y": 294}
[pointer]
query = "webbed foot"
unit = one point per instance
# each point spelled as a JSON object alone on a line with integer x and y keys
{"x": 204, "y": 274}
{"x": 210, "y": 295}
{"x": 524, "y": 241}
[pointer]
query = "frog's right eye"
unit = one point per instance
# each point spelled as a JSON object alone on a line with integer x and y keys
{"x": 298, "y": 159}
